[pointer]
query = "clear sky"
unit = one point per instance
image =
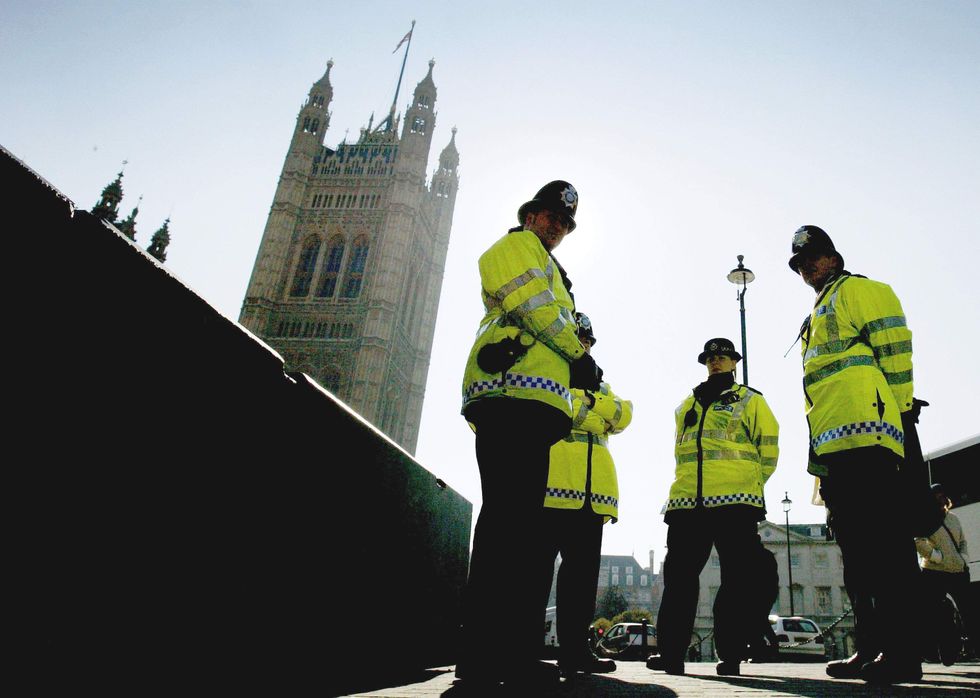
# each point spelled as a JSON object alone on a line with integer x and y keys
{"x": 693, "y": 130}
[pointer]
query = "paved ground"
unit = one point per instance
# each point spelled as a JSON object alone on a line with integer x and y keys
{"x": 757, "y": 681}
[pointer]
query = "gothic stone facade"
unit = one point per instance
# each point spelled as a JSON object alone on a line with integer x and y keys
{"x": 347, "y": 277}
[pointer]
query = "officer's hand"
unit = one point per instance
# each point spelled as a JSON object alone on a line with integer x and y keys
{"x": 589, "y": 399}
{"x": 584, "y": 373}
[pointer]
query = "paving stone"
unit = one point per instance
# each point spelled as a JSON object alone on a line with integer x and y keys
{"x": 757, "y": 681}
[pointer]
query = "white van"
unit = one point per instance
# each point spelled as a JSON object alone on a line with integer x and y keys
{"x": 798, "y": 636}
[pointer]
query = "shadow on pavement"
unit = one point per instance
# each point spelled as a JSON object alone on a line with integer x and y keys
{"x": 376, "y": 680}
{"x": 819, "y": 688}
{"x": 584, "y": 685}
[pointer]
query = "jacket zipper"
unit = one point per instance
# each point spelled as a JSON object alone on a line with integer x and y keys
{"x": 700, "y": 499}
{"x": 588, "y": 476}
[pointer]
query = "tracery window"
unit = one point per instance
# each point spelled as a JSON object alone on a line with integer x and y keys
{"x": 305, "y": 267}
{"x": 355, "y": 267}
{"x": 335, "y": 254}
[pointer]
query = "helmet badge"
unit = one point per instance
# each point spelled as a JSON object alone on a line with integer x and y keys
{"x": 569, "y": 196}
{"x": 801, "y": 237}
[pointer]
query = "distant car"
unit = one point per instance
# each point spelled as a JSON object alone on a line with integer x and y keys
{"x": 625, "y": 640}
{"x": 798, "y": 637}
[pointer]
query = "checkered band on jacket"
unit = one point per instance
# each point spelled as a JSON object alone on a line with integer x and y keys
{"x": 715, "y": 501}
{"x": 515, "y": 380}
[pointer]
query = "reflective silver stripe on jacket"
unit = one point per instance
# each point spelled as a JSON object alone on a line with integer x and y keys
{"x": 579, "y": 437}
{"x": 739, "y": 437}
{"x": 893, "y": 348}
{"x": 899, "y": 377}
{"x": 836, "y": 347}
{"x": 836, "y": 367}
{"x": 884, "y": 323}
{"x": 518, "y": 281}
{"x": 720, "y": 455}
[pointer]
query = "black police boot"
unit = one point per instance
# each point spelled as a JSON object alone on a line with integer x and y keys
{"x": 532, "y": 675}
{"x": 586, "y": 664}
{"x": 886, "y": 670}
{"x": 728, "y": 669}
{"x": 849, "y": 668}
{"x": 668, "y": 666}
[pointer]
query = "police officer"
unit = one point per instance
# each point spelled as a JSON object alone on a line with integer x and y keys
{"x": 516, "y": 397}
{"x": 582, "y": 495}
{"x": 725, "y": 449}
{"x": 857, "y": 380}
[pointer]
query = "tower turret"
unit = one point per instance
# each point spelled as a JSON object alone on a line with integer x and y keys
{"x": 420, "y": 120}
{"x": 108, "y": 205}
{"x": 160, "y": 241}
{"x": 446, "y": 177}
{"x": 128, "y": 226}
{"x": 311, "y": 125}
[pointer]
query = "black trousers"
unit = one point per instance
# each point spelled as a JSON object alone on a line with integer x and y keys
{"x": 733, "y": 530}
{"x": 503, "y": 613}
{"x": 935, "y": 585}
{"x": 577, "y": 535}
{"x": 865, "y": 498}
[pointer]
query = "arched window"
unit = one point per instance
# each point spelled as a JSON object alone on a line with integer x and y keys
{"x": 418, "y": 125}
{"x": 305, "y": 267}
{"x": 335, "y": 254}
{"x": 355, "y": 268}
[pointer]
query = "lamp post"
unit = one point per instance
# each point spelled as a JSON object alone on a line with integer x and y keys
{"x": 787, "y": 503}
{"x": 742, "y": 275}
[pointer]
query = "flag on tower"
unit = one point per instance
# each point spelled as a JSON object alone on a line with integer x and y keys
{"x": 406, "y": 37}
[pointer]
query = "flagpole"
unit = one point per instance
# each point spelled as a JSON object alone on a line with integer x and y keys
{"x": 394, "y": 102}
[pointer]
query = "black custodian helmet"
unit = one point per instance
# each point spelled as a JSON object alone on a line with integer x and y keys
{"x": 558, "y": 197}
{"x": 585, "y": 327}
{"x": 718, "y": 345}
{"x": 811, "y": 239}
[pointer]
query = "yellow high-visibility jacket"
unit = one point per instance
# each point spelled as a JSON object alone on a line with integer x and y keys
{"x": 857, "y": 368}
{"x": 581, "y": 468}
{"x": 524, "y": 297}
{"x": 728, "y": 455}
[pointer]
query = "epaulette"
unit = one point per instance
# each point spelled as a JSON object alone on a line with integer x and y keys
{"x": 757, "y": 392}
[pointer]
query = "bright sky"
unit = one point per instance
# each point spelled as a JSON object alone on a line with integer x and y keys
{"x": 693, "y": 131}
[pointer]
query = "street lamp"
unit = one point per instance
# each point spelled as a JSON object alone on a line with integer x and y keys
{"x": 787, "y": 503}
{"x": 742, "y": 275}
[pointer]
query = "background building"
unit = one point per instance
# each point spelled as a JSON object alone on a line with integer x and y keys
{"x": 638, "y": 585}
{"x": 348, "y": 274}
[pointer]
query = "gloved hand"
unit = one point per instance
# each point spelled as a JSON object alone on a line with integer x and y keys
{"x": 584, "y": 373}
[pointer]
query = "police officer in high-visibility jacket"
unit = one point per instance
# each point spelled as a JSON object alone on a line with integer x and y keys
{"x": 725, "y": 449}
{"x": 516, "y": 397}
{"x": 857, "y": 382}
{"x": 582, "y": 495}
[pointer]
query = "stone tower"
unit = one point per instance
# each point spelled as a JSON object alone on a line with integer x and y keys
{"x": 347, "y": 277}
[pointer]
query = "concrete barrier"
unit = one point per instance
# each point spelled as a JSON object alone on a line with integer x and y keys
{"x": 187, "y": 513}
